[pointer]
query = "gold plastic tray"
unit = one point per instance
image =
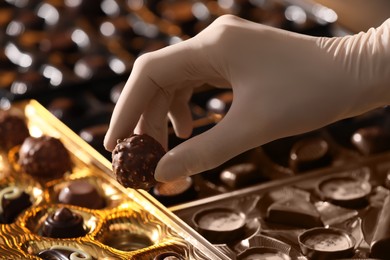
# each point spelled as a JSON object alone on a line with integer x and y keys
{"x": 133, "y": 225}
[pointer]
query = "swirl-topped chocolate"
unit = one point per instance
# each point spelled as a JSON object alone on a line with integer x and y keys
{"x": 64, "y": 223}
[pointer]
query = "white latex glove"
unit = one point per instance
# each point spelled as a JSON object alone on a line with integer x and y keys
{"x": 284, "y": 84}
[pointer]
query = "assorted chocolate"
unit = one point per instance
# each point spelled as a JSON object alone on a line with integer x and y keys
{"x": 74, "y": 59}
{"x": 72, "y": 208}
{"x": 337, "y": 213}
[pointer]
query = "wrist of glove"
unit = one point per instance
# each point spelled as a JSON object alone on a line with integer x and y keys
{"x": 283, "y": 83}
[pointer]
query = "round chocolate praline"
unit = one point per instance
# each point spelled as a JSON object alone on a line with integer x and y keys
{"x": 13, "y": 130}
{"x": 12, "y": 202}
{"x": 44, "y": 157}
{"x": 64, "y": 223}
{"x": 83, "y": 194}
{"x": 134, "y": 161}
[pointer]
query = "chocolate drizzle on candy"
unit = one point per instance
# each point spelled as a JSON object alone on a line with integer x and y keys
{"x": 134, "y": 161}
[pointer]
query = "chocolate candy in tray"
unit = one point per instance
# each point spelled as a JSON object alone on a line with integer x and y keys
{"x": 333, "y": 213}
{"x": 58, "y": 207}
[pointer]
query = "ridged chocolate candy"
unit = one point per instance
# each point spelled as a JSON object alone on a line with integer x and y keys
{"x": 13, "y": 130}
{"x": 44, "y": 157}
{"x": 134, "y": 161}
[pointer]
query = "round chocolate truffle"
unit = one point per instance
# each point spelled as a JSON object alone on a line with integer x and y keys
{"x": 134, "y": 161}
{"x": 13, "y": 130}
{"x": 44, "y": 157}
{"x": 63, "y": 223}
{"x": 12, "y": 202}
{"x": 81, "y": 193}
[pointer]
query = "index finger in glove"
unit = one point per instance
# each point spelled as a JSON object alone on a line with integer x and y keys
{"x": 135, "y": 97}
{"x": 159, "y": 71}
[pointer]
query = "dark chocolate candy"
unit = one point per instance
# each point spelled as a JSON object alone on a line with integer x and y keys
{"x": 134, "y": 160}
{"x": 44, "y": 157}
{"x": 64, "y": 253}
{"x": 81, "y": 193}
{"x": 310, "y": 153}
{"x": 294, "y": 212}
{"x": 13, "y": 130}
{"x": 175, "y": 192}
{"x": 13, "y": 201}
{"x": 371, "y": 140}
{"x": 241, "y": 175}
{"x": 64, "y": 223}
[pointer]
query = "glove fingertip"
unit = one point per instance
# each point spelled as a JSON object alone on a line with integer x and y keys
{"x": 168, "y": 169}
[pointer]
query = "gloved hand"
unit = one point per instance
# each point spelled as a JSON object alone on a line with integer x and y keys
{"x": 284, "y": 84}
